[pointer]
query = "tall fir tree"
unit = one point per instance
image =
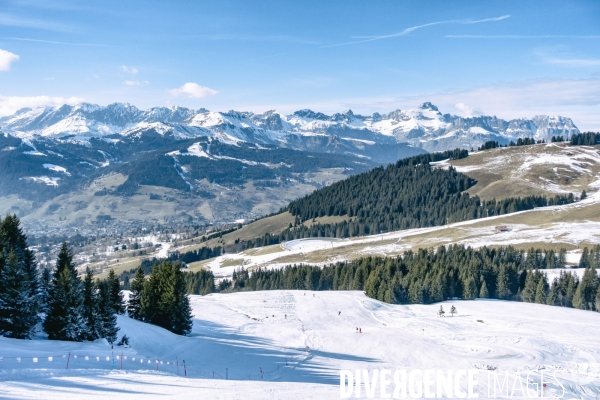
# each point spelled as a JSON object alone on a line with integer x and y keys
{"x": 483, "y": 293}
{"x": 585, "y": 295}
{"x": 137, "y": 287}
{"x": 541, "y": 292}
{"x": 91, "y": 308}
{"x": 45, "y": 281}
{"x": 502, "y": 288}
{"x": 107, "y": 312}
{"x": 470, "y": 288}
{"x": 584, "y": 261}
{"x": 530, "y": 288}
{"x": 116, "y": 295}
{"x": 150, "y": 297}
{"x": 552, "y": 299}
{"x": 12, "y": 240}
{"x": 18, "y": 308}
{"x": 64, "y": 320}
{"x": 178, "y": 307}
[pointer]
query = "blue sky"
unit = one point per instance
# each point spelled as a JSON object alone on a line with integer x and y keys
{"x": 505, "y": 58}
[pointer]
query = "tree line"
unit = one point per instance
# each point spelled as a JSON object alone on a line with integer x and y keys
{"x": 455, "y": 272}
{"x": 492, "y": 144}
{"x": 585, "y": 139}
{"x": 69, "y": 308}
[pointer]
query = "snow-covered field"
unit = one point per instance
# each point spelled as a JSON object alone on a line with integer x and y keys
{"x": 310, "y": 244}
{"x": 259, "y": 340}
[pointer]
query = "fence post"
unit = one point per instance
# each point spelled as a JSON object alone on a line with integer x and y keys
{"x": 177, "y": 362}
{"x": 121, "y": 360}
{"x": 213, "y": 374}
{"x": 157, "y": 364}
{"x": 112, "y": 354}
{"x": 68, "y": 360}
{"x": 226, "y": 373}
{"x": 184, "y": 368}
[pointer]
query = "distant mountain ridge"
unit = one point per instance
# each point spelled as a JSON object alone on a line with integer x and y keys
{"x": 369, "y": 136}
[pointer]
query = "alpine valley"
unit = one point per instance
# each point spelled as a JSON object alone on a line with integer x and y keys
{"x": 76, "y": 165}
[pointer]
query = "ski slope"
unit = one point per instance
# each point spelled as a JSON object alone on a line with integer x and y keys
{"x": 239, "y": 335}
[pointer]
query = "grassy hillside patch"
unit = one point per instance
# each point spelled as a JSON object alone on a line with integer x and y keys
{"x": 542, "y": 169}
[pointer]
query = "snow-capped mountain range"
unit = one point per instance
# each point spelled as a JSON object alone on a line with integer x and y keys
{"x": 424, "y": 127}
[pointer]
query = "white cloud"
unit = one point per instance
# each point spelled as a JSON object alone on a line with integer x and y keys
{"x": 414, "y": 28}
{"x": 10, "y": 104}
{"x": 464, "y": 109}
{"x": 6, "y": 58}
{"x": 573, "y": 62}
{"x": 191, "y": 89}
{"x": 129, "y": 70}
{"x": 135, "y": 83}
{"x": 550, "y": 57}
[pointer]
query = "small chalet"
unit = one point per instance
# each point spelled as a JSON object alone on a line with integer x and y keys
{"x": 502, "y": 228}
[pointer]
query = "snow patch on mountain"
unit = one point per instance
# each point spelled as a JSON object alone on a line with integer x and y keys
{"x": 56, "y": 168}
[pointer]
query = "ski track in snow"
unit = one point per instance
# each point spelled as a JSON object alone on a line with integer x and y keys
{"x": 270, "y": 330}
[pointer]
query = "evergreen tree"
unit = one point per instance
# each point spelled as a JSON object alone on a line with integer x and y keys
{"x": 12, "y": 238}
{"x": 598, "y": 299}
{"x": 107, "y": 312}
{"x": 177, "y": 304}
{"x": 541, "y": 292}
{"x": 149, "y": 298}
{"x": 116, "y": 295}
{"x": 470, "y": 289}
{"x": 530, "y": 289}
{"x": 18, "y": 308}
{"x": 64, "y": 320}
{"x": 552, "y": 299}
{"x": 164, "y": 300}
{"x": 483, "y": 293}
{"x": 45, "y": 281}
{"x": 91, "y": 308}
{"x": 584, "y": 261}
{"x": 502, "y": 288}
{"x": 585, "y": 295}
{"x": 137, "y": 287}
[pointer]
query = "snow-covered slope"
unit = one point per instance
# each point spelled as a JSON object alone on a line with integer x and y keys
{"x": 258, "y": 340}
{"x": 424, "y": 127}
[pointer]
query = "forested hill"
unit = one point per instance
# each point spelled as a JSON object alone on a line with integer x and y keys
{"x": 408, "y": 194}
